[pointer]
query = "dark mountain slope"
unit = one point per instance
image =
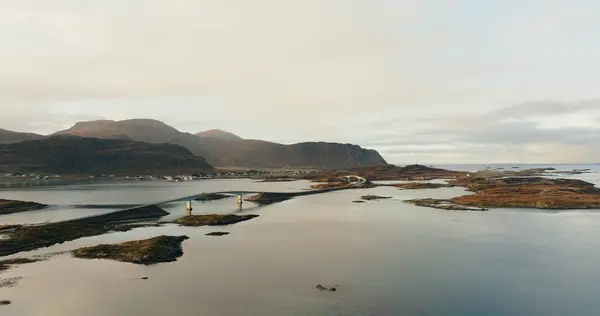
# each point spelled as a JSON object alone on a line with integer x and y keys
{"x": 224, "y": 149}
{"x": 262, "y": 154}
{"x": 7, "y": 137}
{"x": 70, "y": 155}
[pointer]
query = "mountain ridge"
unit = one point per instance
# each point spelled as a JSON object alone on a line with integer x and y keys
{"x": 7, "y": 137}
{"x": 219, "y": 134}
{"x": 224, "y": 149}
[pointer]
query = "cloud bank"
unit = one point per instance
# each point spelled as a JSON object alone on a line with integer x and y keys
{"x": 447, "y": 81}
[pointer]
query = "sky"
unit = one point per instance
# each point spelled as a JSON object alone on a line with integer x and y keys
{"x": 434, "y": 81}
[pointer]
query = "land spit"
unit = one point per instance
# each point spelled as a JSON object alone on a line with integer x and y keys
{"x": 13, "y": 206}
{"x": 26, "y": 238}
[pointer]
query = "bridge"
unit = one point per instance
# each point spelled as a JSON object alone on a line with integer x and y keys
{"x": 353, "y": 184}
{"x": 359, "y": 179}
{"x": 130, "y": 212}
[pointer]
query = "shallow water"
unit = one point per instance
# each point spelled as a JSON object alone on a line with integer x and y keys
{"x": 135, "y": 192}
{"x": 387, "y": 258}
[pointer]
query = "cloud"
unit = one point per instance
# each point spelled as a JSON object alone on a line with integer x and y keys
{"x": 517, "y": 133}
{"x": 542, "y": 108}
{"x": 367, "y": 72}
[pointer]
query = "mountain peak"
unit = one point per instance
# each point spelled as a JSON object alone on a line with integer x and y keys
{"x": 219, "y": 134}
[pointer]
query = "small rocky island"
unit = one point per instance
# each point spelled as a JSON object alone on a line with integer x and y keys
{"x": 217, "y": 234}
{"x": 14, "y": 206}
{"x": 147, "y": 251}
{"x": 213, "y": 219}
{"x": 374, "y": 197}
{"x": 269, "y": 198}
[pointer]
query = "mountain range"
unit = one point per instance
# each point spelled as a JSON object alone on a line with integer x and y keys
{"x": 218, "y": 147}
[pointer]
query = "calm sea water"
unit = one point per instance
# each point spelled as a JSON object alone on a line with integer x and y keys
{"x": 387, "y": 258}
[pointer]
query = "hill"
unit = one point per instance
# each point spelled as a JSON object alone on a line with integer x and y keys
{"x": 144, "y": 130}
{"x": 72, "y": 155}
{"x": 218, "y": 134}
{"x": 262, "y": 154}
{"x": 225, "y": 149}
{"x": 7, "y": 137}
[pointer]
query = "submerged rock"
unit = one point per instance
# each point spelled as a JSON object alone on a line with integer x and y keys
{"x": 358, "y": 201}
{"x": 329, "y": 289}
{"x": 147, "y": 251}
{"x": 217, "y": 234}
{"x": 374, "y": 197}
{"x": 213, "y": 219}
{"x": 5, "y": 302}
{"x": 9, "y": 282}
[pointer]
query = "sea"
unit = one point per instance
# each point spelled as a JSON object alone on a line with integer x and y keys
{"x": 385, "y": 257}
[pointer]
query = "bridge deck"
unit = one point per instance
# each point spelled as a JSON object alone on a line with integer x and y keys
{"x": 361, "y": 181}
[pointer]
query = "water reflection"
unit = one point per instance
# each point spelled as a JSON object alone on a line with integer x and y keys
{"x": 386, "y": 257}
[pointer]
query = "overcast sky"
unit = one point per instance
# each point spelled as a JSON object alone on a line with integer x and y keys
{"x": 448, "y": 81}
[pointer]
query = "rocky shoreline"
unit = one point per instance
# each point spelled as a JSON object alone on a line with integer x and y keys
{"x": 441, "y": 204}
{"x": 387, "y": 173}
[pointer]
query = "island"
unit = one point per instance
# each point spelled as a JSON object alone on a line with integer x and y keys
{"x": 374, "y": 197}
{"x": 148, "y": 251}
{"x": 519, "y": 192}
{"x": 213, "y": 219}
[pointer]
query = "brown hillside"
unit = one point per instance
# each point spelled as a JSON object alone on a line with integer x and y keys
{"x": 8, "y": 137}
